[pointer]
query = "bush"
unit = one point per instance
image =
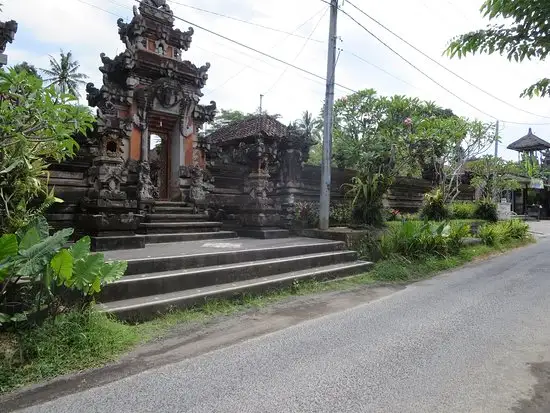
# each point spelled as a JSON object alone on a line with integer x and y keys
{"x": 34, "y": 255}
{"x": 463, "y": 210}
{"x": 434, "y": 208}
{"x": 340, "y": 214}
{"x": 502, "y": 232}
{"x": 37, "y": 126}
{"x": 486, "y": 210}
{"x": 412, "y": 239}
{"x": 306, "y": 214}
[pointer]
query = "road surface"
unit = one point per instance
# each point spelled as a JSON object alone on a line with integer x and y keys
{"x": 472, "y": 340}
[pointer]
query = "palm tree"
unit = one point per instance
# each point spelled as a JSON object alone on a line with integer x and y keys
{"x": 64, "y": 74}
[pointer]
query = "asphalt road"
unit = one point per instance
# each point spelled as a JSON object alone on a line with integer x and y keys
{"x": 473, "y": 340}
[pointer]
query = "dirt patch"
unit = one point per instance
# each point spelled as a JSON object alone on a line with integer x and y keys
{"x": 191, "y": 340}
{"x": 540, "y": 401}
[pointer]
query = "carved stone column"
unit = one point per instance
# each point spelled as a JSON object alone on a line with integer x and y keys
{"x": 293, "y": 152}
{"x": 107, "y": 214}
{"x": 259, "y": 214}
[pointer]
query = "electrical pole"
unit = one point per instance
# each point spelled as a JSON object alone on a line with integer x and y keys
{"x": 496, "y": 139}
{"x": 324, "y": 204}
{"x": 261, "y": 103}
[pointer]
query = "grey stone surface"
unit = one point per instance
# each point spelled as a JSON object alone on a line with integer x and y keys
{"x": 209, "y": 246}
{"x": 461, "y": 342}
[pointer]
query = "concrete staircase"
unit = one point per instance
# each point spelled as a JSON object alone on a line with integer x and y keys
{"x": 184, "y": 274}
{"x": 177, "y": 221}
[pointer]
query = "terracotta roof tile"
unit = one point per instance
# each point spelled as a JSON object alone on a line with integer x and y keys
{"x": 260, "y": 125}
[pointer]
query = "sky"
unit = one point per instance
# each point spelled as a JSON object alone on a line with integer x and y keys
{"x": 238, "y": 76}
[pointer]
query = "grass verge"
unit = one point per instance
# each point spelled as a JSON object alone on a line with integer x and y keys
{"x": 77, "y": 341}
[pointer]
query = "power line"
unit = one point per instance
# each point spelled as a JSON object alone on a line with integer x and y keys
{"x": 443, "y": 66}
{"x": 284, "y": 39}
{"x": 416, "y": 68}
{"x": 379, "y": 68}
{"x": 243, "y": 21}
{"x": 99, "y": 8}
{"x": 255, "y": 50}
{"x": 299, "y": 52}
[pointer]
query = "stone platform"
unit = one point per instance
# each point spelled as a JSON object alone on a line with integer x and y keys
{"x": 162, "y": 277}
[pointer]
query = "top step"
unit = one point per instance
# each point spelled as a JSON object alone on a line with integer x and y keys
{"x": 171, "y": 204}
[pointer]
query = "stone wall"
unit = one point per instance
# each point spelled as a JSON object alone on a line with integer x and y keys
{"x": 406, "y": 194}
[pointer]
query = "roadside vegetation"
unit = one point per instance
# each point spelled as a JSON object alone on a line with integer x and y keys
{"x": 48, "y": 280}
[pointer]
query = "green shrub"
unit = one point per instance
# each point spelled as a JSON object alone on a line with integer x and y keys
{"x": 486, "y": 210}
{"x": 502, "y": 232}
{"x": 434, "y": 208}
{"x": 412, "y": 239}
{"x": 463, "y": 210}
{"x": 36, "y": 256}
{"x": 306, "y": 214}
{"x": 340, "y": 214}
{"x": 366, "y": 193}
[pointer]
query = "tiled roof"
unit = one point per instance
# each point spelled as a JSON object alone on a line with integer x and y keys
{"x": 529, "y": 142}
{"x": 254, "y": 126}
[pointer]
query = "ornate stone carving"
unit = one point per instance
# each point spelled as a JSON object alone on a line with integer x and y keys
{"x": 200, "y": 186}
{"x": 146, "y": 190}
{"x": 7, "y": 33}
{"x": 203, "y": 75}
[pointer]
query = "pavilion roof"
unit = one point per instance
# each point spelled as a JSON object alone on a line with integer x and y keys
{"x": 529, "y": 142}
{"x": 253, "y": 126}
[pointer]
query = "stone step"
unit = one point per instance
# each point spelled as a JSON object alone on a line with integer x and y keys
{"x": 171, "y": 204}
{"x": 158, "y": 217}
{"x": 156, "y": 263}
{"x": 142, "y": 285}
{"x": 188, "y": 236}
{"x": 143, "y": 308}
{"x": 173, "y": 210}
{"x": 178, "y": 227}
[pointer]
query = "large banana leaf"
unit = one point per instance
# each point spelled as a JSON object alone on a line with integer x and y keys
{"x": 33, "y": 260}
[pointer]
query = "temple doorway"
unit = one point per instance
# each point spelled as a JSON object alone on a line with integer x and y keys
{"x": 159, "y": 157}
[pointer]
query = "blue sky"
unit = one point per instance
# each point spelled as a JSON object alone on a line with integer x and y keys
{"x": 238, "y": 76}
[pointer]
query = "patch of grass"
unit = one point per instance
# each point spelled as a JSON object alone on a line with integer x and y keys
{"x": 71, "y": 342}
{"x": 77, "y": 341}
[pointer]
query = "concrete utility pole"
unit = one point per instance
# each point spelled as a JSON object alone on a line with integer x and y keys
{"x": 324, "y": 204}
{"x": 496, "y": 139}
{"x": 261, "y": 103}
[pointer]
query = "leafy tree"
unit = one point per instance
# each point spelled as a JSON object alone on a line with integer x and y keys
{"x": 64, "y": 75}
{"x": 449, "y": 143}
{"x": 24, "y": 66}
{"x": 492, "y": 176}
{"x": 523, "y": 36}
{"x": 36, "y": 125}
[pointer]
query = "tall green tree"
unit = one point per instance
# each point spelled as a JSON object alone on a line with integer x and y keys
{"x": 37, "y": 126}
{"x": 525, "y": 34}
{"x": 64, "y": 74}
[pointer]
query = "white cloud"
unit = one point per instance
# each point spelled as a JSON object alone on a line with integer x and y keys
{"x": 238, "y": 76}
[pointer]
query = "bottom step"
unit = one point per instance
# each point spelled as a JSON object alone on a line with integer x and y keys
{"x": 139, "y": 309}
{"x": 188, "y": 236}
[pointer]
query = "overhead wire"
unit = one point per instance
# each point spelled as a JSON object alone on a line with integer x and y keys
{"x": 277, "y": 43}
{"x": 299, "y": 52}
{"x": 274, "y": 58}
{"x": 243, "y": 21}
{"x": 443, "y": 66}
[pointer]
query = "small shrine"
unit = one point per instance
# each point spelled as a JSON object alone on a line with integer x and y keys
{"x": 7, "y": 35}
{"x": 534, "y": 152}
